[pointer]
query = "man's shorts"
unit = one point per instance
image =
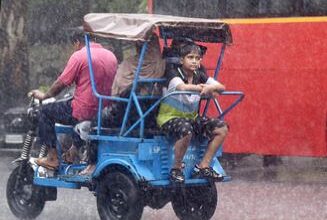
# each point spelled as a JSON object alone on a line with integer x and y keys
{"x": 178, "y": 128}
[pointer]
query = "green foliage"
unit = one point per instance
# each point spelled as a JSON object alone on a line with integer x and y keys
{"x": 119, "y": 6}
{"x": 48, "y": 20}
{"x": 47, "y": 24}
{"x": 142, "y": 6}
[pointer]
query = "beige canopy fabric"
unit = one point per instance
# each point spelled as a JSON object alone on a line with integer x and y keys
{"x": 139, "y": 27}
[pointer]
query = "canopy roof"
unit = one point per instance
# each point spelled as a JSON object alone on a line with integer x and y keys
{"x": 139, "y": 27}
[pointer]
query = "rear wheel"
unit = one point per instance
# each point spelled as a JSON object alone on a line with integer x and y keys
{"x": 195, "y": 202}
{"x": 25, "y": 200}
{"x": 119, "y": 197}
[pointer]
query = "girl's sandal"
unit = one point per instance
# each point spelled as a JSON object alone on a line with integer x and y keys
{"x": 176, "y": 176}
{"x": 207, "y": 173}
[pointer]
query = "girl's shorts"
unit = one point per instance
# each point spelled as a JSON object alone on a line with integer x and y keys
{"x": 201, "y": 126}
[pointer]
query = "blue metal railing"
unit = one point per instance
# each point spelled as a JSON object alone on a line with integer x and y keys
{"x": 134, "y": 98}
{"x": 215, "y": 76}
{"x": 132, "y": 94}
{"x": 94, "y": 90}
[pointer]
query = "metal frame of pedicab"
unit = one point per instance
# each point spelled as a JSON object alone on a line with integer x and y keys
{"x": 146, "y": 159}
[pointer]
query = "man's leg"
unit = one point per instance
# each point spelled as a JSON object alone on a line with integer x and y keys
{"x": 92, "y": 155}
{"x": 60, "y": 112}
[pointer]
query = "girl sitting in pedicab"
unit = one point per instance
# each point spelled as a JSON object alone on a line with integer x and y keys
{"x": 178, "y": 117}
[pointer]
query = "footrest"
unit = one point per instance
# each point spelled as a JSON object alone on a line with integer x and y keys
{"x": 76, "y": 178}
{"x": 187, "y": 182}
{"x": 55, "y": 182}
{"x": 227, "y": 178}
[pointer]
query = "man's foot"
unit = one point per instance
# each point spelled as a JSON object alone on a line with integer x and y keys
{"x": 50, "y": 162}
{"x": 207, "y": 173}
{"x": 176, "y": 176}
{"x": 88, "y": 170}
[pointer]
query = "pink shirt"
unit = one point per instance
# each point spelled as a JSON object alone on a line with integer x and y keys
{"x": 104, "y": 63}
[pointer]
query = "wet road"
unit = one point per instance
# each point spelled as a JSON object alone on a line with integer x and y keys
{"x": 283, "y": 197}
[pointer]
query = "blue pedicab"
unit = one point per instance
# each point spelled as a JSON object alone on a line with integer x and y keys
{"x": 133, "y": 161}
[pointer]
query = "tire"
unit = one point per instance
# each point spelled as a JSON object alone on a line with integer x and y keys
{"x": 118, "y": 197}
{"x": 25, "y": 200}
{"x": 195, "y": 202}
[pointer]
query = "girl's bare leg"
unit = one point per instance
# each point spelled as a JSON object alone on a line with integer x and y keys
{"x": 220, "y": 134}
{"x": 180, "y": 150}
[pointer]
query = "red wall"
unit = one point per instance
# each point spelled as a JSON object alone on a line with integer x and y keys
{"x": 282, "y": 69}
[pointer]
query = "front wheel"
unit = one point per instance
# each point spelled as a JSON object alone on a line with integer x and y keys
{"x": 119, "y": 198}
{"x": 25, "y": 200}
{"x": 195, "y": 202}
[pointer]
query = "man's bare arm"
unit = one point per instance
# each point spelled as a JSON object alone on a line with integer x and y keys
{"x": 54, "y": 90}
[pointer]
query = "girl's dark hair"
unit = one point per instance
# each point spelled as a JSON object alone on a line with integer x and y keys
{"x": 188, "y": 48}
